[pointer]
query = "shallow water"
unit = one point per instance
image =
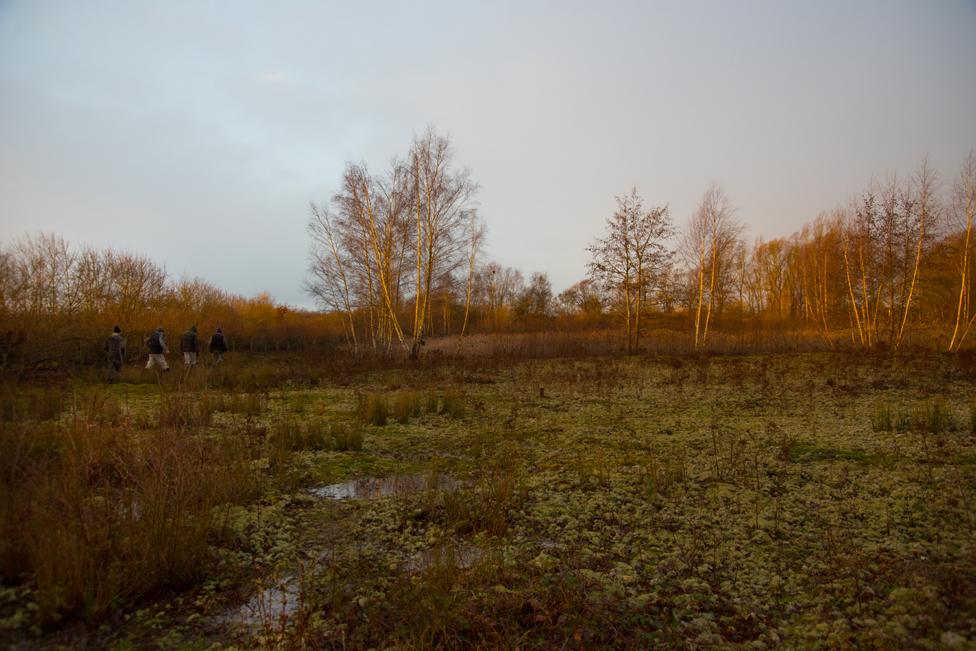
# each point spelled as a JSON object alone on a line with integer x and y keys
{"x": 459, "y": 554}
{"x": 269, "y": 606}
{"x": 376, "y": 487}
{"x": 275, "y": 602}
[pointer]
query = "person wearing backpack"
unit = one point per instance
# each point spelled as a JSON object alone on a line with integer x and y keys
{"x": 218, "y": 346}
{"x": 189, "y": 346}
{"x": 156, "y": 343}
{"x": 114, "y": 353}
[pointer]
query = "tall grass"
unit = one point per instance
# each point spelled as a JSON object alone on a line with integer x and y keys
{"x": 346, "y": 436}
{"x": 372, "y": 408}
{"x": 97, "y": 516}
{"x": 378, "y": 409}
{"x": 937, "y": 417}
{"x": 452, "y": 405}
{"x": 18, "y": 403}
{"x": 295, "y": 434}
{"x": 185, "y": 411}
{"x": 406, "y": 405}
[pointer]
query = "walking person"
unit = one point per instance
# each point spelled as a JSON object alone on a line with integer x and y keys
{"x": 218, "y": 346}
{"x": 156, "y": 343}
{"x": 189, "y": 346}
{"x": 115, "y": 353}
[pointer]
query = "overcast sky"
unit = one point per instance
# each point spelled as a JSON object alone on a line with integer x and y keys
{"x": 197, "y": 132}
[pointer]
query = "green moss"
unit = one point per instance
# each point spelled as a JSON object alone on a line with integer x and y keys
{"x": 807, "y": 452}
{"x": 331, "y": 467}
{"x": 742, "y": 504}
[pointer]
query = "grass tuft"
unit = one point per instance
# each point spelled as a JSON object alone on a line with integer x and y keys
{"x": 346, "y": 436}
{"x": 937, "y": 417}
{"x": 406, "y": 405}
{"x": 452, "y": 405}
{"x": 373, "y": 409}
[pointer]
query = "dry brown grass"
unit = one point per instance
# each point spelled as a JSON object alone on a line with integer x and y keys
{"x": 98, "y": 515}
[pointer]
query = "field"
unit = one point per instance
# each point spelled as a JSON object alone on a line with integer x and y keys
{"x": 809, "y": 500}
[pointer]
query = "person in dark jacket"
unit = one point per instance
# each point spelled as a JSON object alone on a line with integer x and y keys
{"x": 218, "y": 346}
{"x": 189, "y": 346}
{"x": 156, "y": 343}
{"x": 115, "y": 353}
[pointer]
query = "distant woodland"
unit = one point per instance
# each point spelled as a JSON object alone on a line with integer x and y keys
{"x": 396, "y": 263}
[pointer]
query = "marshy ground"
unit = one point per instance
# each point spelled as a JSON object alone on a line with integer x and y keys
{"x": 810, "y": 500}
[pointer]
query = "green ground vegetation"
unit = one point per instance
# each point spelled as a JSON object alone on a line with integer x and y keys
{"x": 806, "y": 501}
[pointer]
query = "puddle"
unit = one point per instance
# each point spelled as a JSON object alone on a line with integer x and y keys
{"x": 269, "y": 606}
{"x": 461, "y": 555}
{"x": 549, "y": 544}
{"x": 376, "y": 487}
{"x": 277, "y": 600}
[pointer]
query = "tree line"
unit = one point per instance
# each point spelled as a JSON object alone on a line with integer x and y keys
{"x": 398, "y": 255}
{"x": 58, "y": 301}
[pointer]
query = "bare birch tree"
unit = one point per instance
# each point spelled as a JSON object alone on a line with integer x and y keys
{"x": 418, "y": 217}
{"x": 920, "y": 209}
{"x": 475, "y": 236}
{"x": 632, "y": 257}
{"x": 885, "y": 238}
{"x": 708, "y": 246}
{"x": 818, "y": 259}
{"x": 964, "y": 209}
{"x": 443, "y": 202}
{"x": 328, "y": 263}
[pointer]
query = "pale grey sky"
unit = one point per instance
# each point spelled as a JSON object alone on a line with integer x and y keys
{"x": 197, "y": 132}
